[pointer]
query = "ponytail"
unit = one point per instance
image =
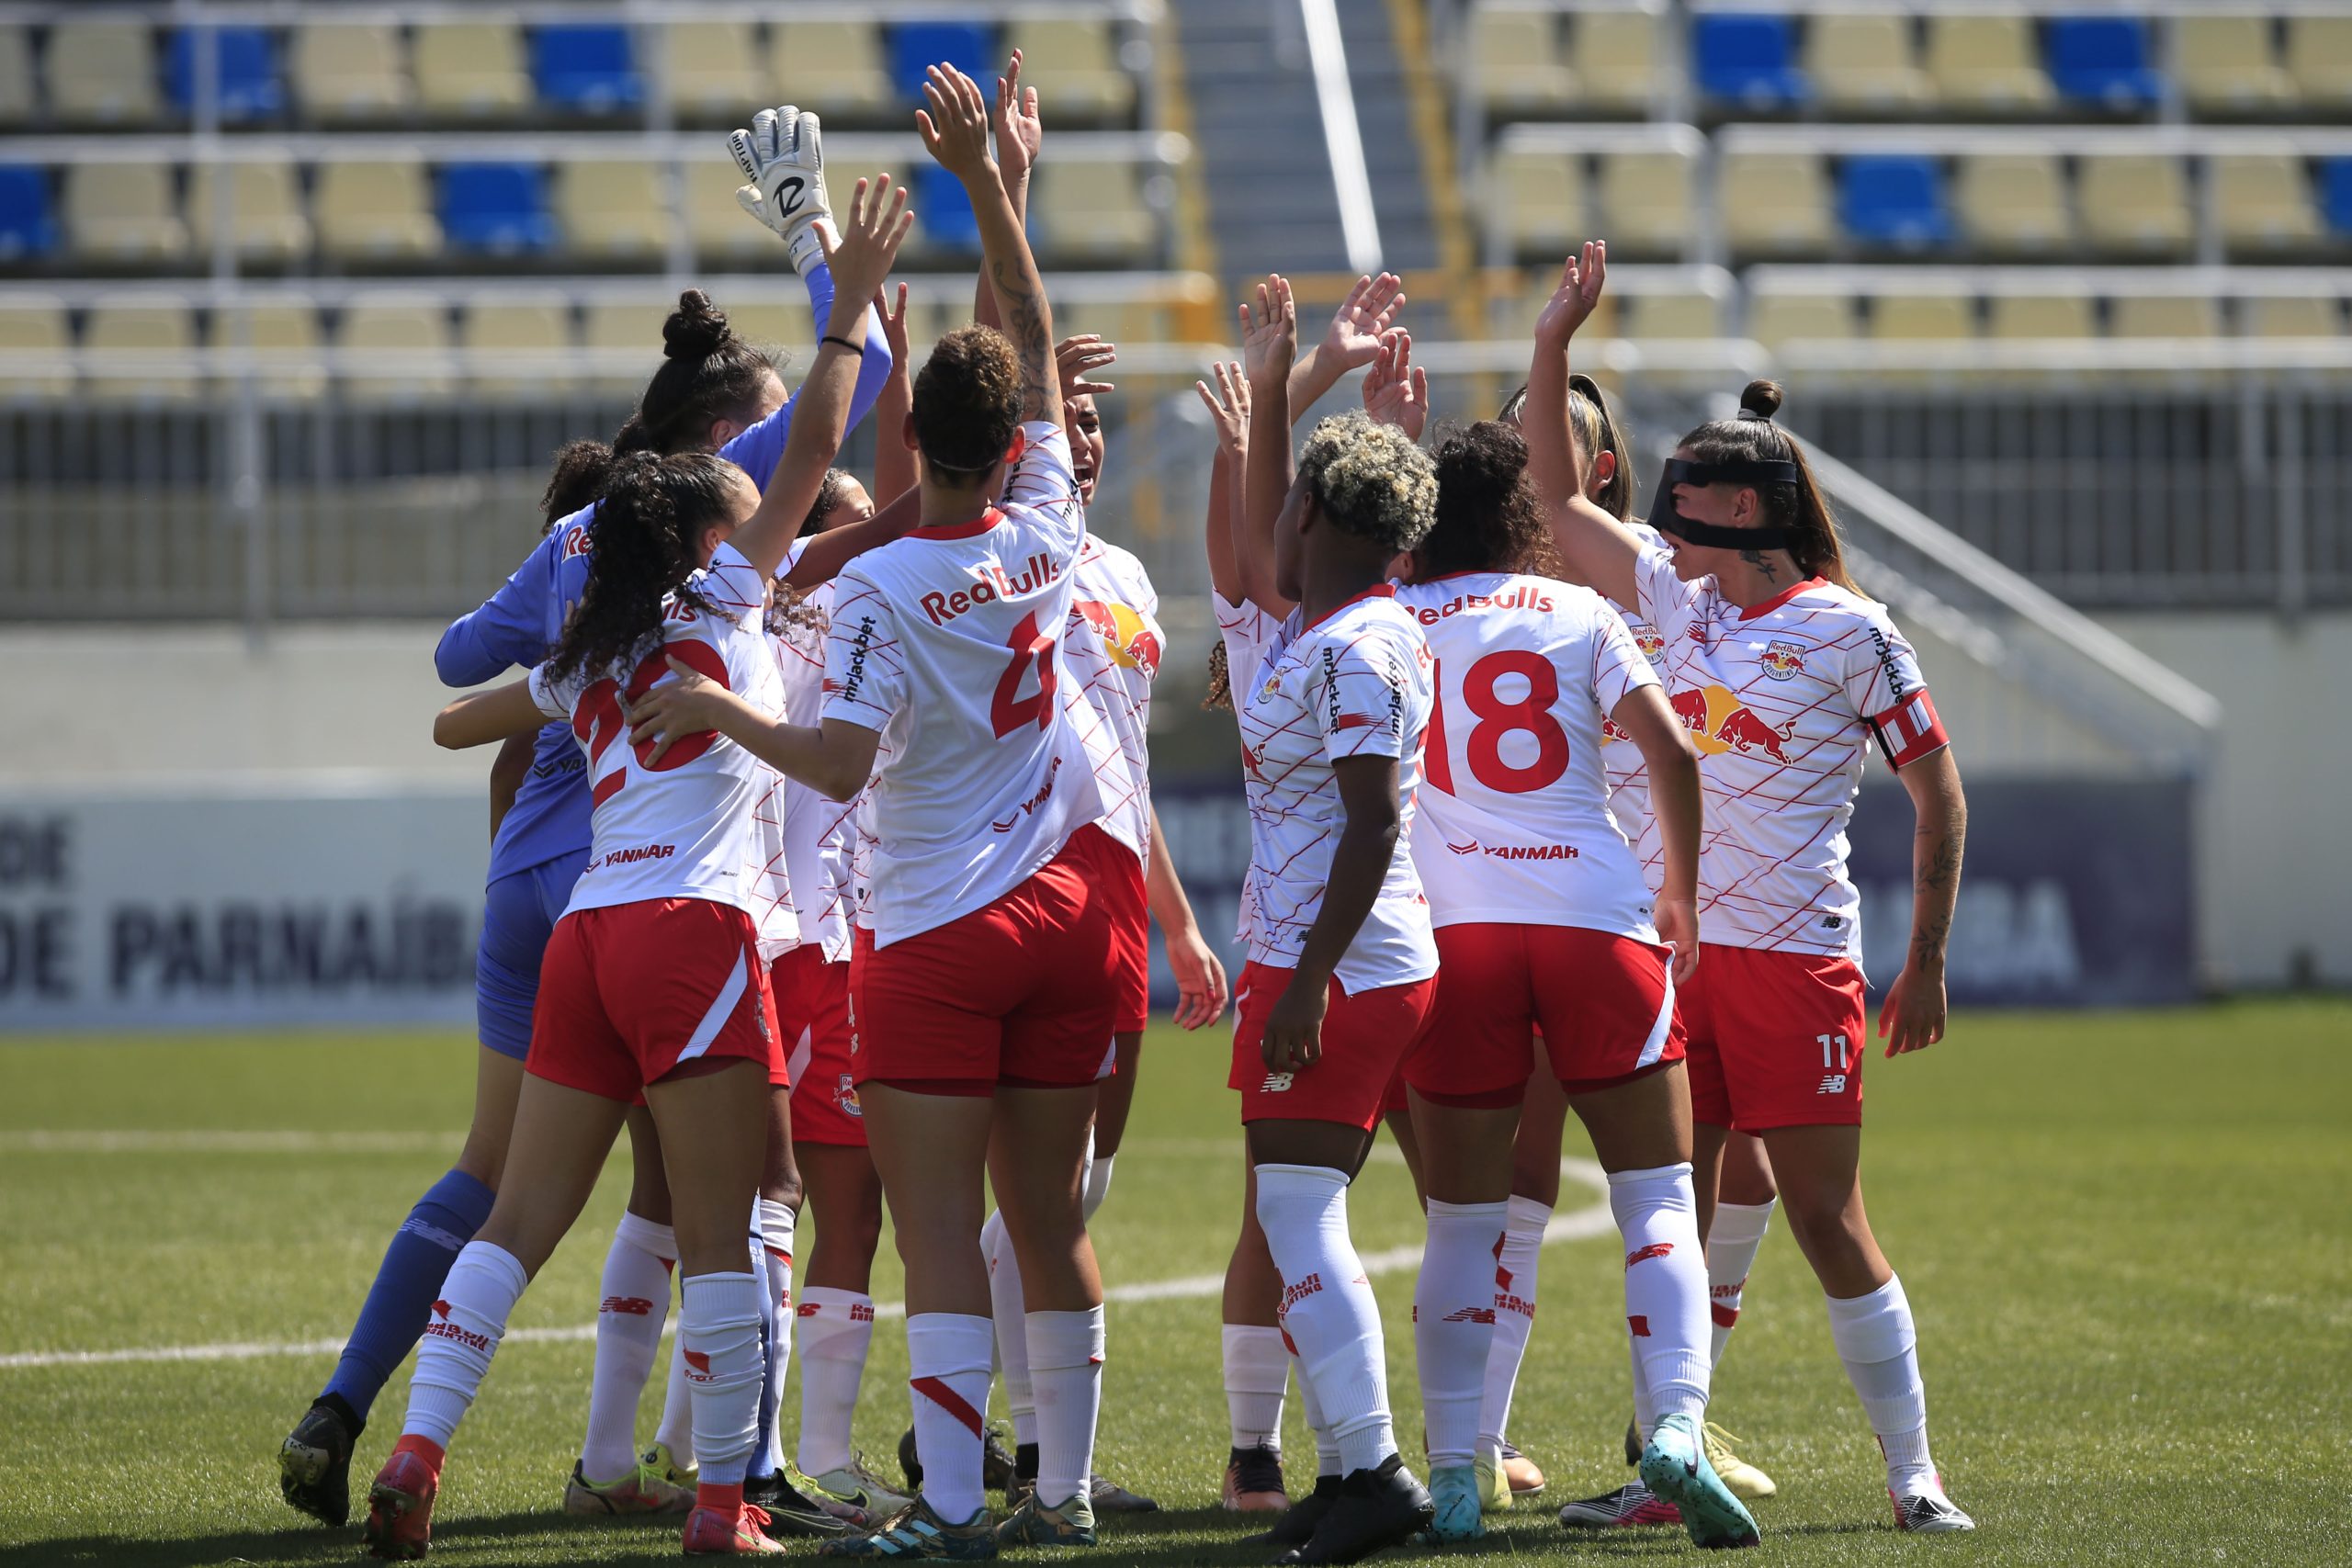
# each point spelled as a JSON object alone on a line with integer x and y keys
{"x": 1814, "y": 542}
{"x": 642, "y": 540}
{"x": 1597, "y": 429}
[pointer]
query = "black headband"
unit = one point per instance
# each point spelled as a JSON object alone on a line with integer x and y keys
{"x": 1736, "y": 472}
{"x": 1667, "y": 518}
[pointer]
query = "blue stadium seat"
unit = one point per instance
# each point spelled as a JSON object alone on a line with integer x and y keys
{"x": 499, "y": 207}
{"x": 970, "y": 47}
{"x": 1751, "y": 60}
{"x": 1894, "y": 199}
{"x": 942, "y": 212}
{"x": 2336, "y": 193}
{"x": 2103, "y": 61}
{"x": 587, "y": 67}
{"x": 250, "y": 85}
{"x": 28, "y": 224}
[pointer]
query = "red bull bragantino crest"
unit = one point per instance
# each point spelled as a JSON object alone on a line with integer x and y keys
{"x": 1783, "y": 661}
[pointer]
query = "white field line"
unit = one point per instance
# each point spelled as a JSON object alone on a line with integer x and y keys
{"x": 1592, "y": 1220}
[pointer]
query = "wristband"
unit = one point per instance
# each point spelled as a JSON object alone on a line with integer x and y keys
{"x": 857, "y": 348}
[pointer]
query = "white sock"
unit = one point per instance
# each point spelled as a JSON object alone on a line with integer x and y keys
{"x": 1733, "y": 1238}
{"x": 1644, "y": 1408}
{"x": 719, "y": 1336}
{"x": 636, "y": 1302}
{"x": 1097, "y": 1184}
{"x": 461, "y": 1336}
{"x": 1515, "y": 1267}
{"x": 1257, "y": 1371}
{"x": 1066, "y": 1363}
{"x": 1326, "y": 1446}
{"x": 1454, "y": 1324}
{"x": 1008, "y": 1310}
{"x": 676, "y": 1431}
{"x": 1876, "y": 1340}
{"x": 1665, "y": 1283}
{"x": 777, "y": 1223}
{"x": 836, "y": 1329}
{"x": 947, "y": 1363}
{"x": 1328, "y": 1306}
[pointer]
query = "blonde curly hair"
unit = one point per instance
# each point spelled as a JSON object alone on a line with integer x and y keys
{"x": 1371, "y": 479}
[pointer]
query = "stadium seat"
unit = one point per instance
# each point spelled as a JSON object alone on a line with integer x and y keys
{"x": 350, "y": 72}
{"x": 18, "y": 100}
{"x": 943, "y": 218}
{"x": 498, "y": 208}
{"x": 1932, "y": 318}
{"x": 1774, "y": 204}
{"x": 103, "y": 73}
{"x": 2163, "y": 315}
{"x": 34, "y": 327}
{"x": 2102, "y": 61}
{"x": 2012, "y": 203}
{"x": 712, "y": 70}
{"x": 719, "y": 230}
{"x": 1614, "y": 57}
{"x": 1986, "y": 64}
{"x": 2319, "y": 60}
{"x": 1894, "y": 199}
{"x": 1670, "y": 315}
{"x": 123, "y": 212}
{"x": 269, "y": 224}
{"x": 2263, "y": 202}
{"x": 970, "y": 47}
{"x": 1520, "y": 72}
{"x": 616, "y": 210}
{"x": 1748, "y": 60}
{"x": 374, "y": 212}
{"x": 502, "y": 332}
{"x": 587, "y": 68}
{"x": 1776, "y": 319}
{"x": 772, "y": 324}
{"x": 834, "y": 68}
{"x": 1093, "y": 214}
{"x": 1539, "y": 197}
{"x": 2290, "y": 315}
{"x": 148, "y": 336}
{"x": 27, "y": 221}
{"x": 2336, "y": 193}
{"x": 630, "y": 333}
{"x": 1074, "y": 64}
{"x": 1863, "y": 63}
{"x": 1645, "y": 202}
{"x": 284, "y": 337}
{"x": 471, "y": 70}
{"x": 1517, "y": 297}
{"x": 2137, "y": 203}
{"x": 2041, "y": 316}
{"x": 250, "y": 88}
{"x": 2226, "y": 65}
{"x": 403, "y": 339}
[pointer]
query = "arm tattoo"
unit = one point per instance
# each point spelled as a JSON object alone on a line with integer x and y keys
{"x": 1937, "y": 883}
{"x": 1025, "y": 326}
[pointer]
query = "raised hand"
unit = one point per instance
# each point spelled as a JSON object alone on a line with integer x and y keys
{"x": 878, "y": 222}
{"x": 1018, "y": 132}
{"x": 783, "y": 157}
{"x": 1076, "y": 358}
{"x": 894, "y": 326}
{"x": 1396, "y": 391}
{"x": 1270, "y": 337}
{"x": 1577, "y": 297}
{"x": 1228, "y": 407}
{"x": 1364, "y": 318}
{"x": 955, "y": 124}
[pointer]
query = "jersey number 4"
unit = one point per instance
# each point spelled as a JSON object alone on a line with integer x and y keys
{"x": 1496, "y": 716}
{"x": 598, "y": 721}
{"x": 1008, "y": 710}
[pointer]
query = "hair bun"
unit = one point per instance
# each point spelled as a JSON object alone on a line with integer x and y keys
{"x": 1760, "y": 400}
{"x": 696, "y": 330}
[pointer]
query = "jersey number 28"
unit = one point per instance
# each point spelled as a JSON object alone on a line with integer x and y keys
{"x": 598, "y": 721}
{"x": 1496, "y": 716}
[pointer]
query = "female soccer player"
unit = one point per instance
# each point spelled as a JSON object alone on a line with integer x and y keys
{"x": 653, "y": 982}
{"x": 1782, "y": 671}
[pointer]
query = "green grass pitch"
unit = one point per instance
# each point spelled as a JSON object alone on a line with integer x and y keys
{"x": 2125, "y": 1235}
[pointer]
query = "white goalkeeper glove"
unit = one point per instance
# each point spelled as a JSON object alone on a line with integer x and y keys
{"x": 783, "y": 156}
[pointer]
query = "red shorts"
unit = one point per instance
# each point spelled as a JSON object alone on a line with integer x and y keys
{"x": 1013, "y": 993}
{"x": 628, "y": 992}
{"x": 1777, "y": 1039}
{"x": 1131, "y": 944}
{"x": 1604, "y": 1005}
{"x": 1364, "y": 1037}
{"x": 812, "y": 1015}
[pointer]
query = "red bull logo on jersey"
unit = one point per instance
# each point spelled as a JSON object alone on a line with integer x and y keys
{"x": 1783, "y": 661}
{"x": 1719, "y": 722}
{"x": 1524, "y": 597}
{"x": 845, "y": 1097}
{"x": 1126, "y": 638}
{"x": 993, "y": 583}
{"x": 1612, "y": 730}
{"x": 1653, "y": 646}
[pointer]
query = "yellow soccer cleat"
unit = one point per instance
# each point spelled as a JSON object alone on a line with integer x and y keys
{"x": 1494, "y": 1491}
{"x": 1744, "y": 1479}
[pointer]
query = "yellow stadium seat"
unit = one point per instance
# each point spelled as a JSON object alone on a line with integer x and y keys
{"x": 467, "y": 70}
{"x": 1518, "y": 60}
{"x": 1516, "y": 299}
{"x": 1922, "y": 317}
{"x": 2226, "y": 65}
{"x": 284, "y": 338}
{"x": 721, "y": 231}
{"x": 2012, "y": 202}
{"x": 1863, "y": 63}
{"x": 348, "y": 72}
{"x": 269, "y": 224}
{"x": 1671, "y": 315}
{"x": 1538, "y": 196}
{"x": 713, "y": 69}
{"x": 2263, "y": 202}
{"x": 2136, "y": 202}
{"x": 2290, "y": 315}
{"x": 626, "y": 335}
{"x": 1776, "y": 319}
{"x": 375, "y": 212}
{"x": 37, "y": 348}
{"x": 1645, "y": 202}
{"x": 1774, "y": 204}
{"x": 515, "y": 348}
{"x": 1093, "y": 214}
{"x": 2319, "y": 59}
{"x": 1986, "y": 64}
{"x": 149, "y": 337}
{"x": 1074, "y": 66}
{"x": 16, "y": 102}
{"x": 834, "y": 68}
{"x": 2033, "y": 316}
{"x": 103, "y": 73}
{"x": 403, "y": 340}
{"x": 770, "y": 324}
{"x": 2164, "y": 315}
{"x": 615, "y": 210}
{"x": 1614, "y": 55}
{"x": 123, "y": 212}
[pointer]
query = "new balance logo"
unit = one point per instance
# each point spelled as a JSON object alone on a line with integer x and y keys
{"x": 1832, "y": 1083}
{"x": 697, "y": 1365}
{"x": 1275, "y": 1083}
{"x": 635, "y": 1306}
{"x": 1469, "y": 1315}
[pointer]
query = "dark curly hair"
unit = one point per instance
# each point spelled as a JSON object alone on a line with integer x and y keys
{"x": 1814, "y": 542}
{"x": 829, "y": 491}
{"x": 1488, "y": 516}
{"x": 641, "y": 550}
{"x": 967, "y": 401}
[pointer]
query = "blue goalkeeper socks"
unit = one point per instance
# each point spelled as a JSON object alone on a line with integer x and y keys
{"x": 392, "y": 1318}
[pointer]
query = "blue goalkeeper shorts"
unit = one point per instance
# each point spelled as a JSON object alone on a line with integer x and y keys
{"x": 519, "y": 913}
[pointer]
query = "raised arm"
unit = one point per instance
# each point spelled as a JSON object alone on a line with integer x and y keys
{"x": 1349, "y": 343}
{"x": 1019, "y": 135}
{"x": 1228, "y": 407}
{"x": 1268, "y": 341}
{"x": 1594, "y": 548}
{"x": 1912, "y": 1017}
{"x": 894, "y": 460}
{"x": 954, "y": 126}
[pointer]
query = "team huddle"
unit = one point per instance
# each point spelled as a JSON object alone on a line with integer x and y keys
{"x": 824, "y": 862}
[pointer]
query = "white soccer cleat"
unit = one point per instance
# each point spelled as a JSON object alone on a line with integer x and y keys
{"x": 783, "y": 156}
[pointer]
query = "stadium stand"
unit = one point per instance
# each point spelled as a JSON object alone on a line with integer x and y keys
{"x": 1863, "y": 64}
{"x": 268, "y": 222}
{"x": 28, "y": 223}
{"x": 614, "y": 213}
{"x": 471, "y": 70}
{"x": 585, "y": 68}
{"x": 19, "y": 103}
{"x": 497, "y": 208}
{"x": 710, "y": 69}
{"x": 123, "y": 214}
{"x": 351, "y": 73}
{"x": 102, "y": 73}
{"x": 375, "y": 213}
{"x": 2102, "y": 61}
{"x": 834, "y": 67}
{"x": 248, "y": 85}
{"x": 2318, "y": 62}
{"x": 1984, "y": 64}
{"x": 129, "y": 335}
{"x": 1747, "y": 62}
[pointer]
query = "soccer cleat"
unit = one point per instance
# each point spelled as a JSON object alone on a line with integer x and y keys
{"x": 642, "y": 1491}
{"x": 1930, "y": 1513}
{"x": 1523, "y": 1474}
{"x": 400, "y": 1509}
{"x": 1634, "y": 1441}
{"x": 1494, "y": 1491}
{"x": 1296, "y": 1525}
{"x": 664, "y": 1468}
{"x": 1744, "y": 1479}
{"x": 1627, "y": 1505}
{"x": 791, "y": 1512}
{"x": 1034, "y": 1524}
{"x": 783, "y": 156}
{"x": 1253, "y": 1482}
{"x": 1105, "y": 1495}
{"x": 713, "y": 1532}
{"x": 854, "y": 1486}
{"x": 1675, "y": 1467}
{"x": 314, "y": 1466}
{"x": 1453, "y": 1493}
{"x": 1376, "y": 1508}
{"x": 915, "y": 1533}
{"x": 998, "y": 1470}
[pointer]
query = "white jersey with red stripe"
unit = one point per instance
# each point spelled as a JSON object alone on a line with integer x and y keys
{"x": 690, "y": 826}
{"x": 1514, "y": 826}
{"x": 1245, "y": 630}
{"x": 1354, "y": 683}
{"x": 1783, "y": 700}
{"x": 1114, "y": 646}
{"x": 816, "y": 830}
{"x": 948, "y": 642}
{"x": 1621, "y": 759}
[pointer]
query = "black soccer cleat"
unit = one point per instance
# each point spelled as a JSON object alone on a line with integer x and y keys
{"x": 1634, "y": 1444}
{"x": 1376, "y": 1508}
{"x": 1296, "y": 1527}
{"x": 314, "y": 1466}
{"x": 790, "y": 1511}
{"x": 998, "y": 1470}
